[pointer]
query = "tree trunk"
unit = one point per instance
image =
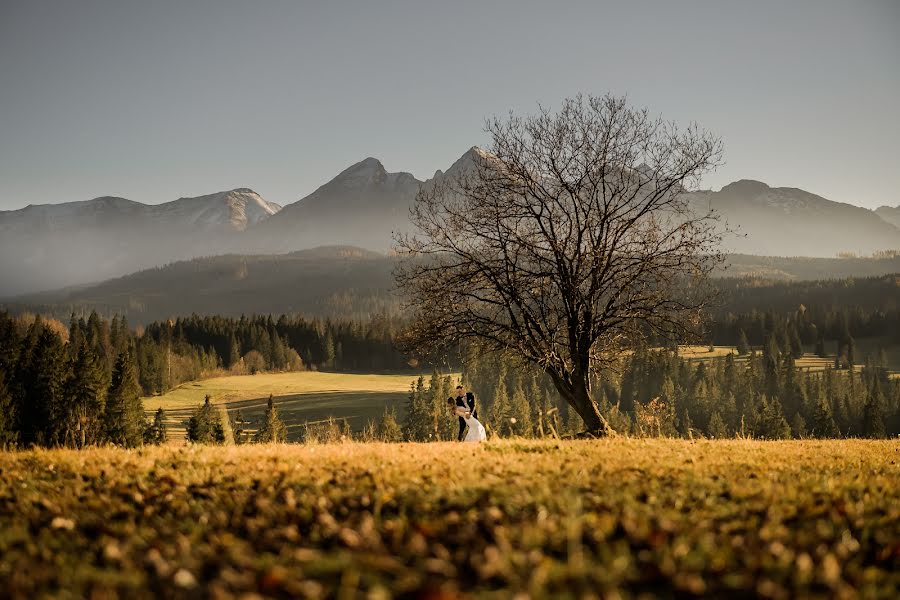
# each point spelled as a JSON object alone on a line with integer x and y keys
{"x": 578, "y": 395}
{"x": 586, "y": 408}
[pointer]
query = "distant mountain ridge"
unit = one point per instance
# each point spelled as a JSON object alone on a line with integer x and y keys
{"x": 52, "y": 246}
{"x": 792, "y": 222}
{"x": 891, "y": 214}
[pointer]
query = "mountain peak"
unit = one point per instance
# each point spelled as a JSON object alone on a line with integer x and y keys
{"x": 745, "y": 187}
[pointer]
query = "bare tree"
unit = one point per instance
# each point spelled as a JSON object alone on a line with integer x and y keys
{"x": 565, "y": 243}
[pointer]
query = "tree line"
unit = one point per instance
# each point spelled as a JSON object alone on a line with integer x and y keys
{"x": 79, "y": 384}
{"x": 79, "y": 392}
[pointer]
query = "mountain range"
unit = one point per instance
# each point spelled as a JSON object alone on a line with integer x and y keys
{"x": 51, "y": 246}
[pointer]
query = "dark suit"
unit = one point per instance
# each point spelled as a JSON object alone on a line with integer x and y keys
{"x": 469, "y": 404}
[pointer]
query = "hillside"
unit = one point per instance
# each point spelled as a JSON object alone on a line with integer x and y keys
{"x": 328, "y": 281}
{"x": 544, "y": 519}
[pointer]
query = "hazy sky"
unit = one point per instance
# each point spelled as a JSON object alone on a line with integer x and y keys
{"x": 154, "y": 100}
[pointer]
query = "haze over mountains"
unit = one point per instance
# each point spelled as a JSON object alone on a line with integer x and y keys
{"x": 52, "y": 246}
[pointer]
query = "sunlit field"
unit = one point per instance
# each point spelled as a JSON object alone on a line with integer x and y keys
{"x": 615, "y": 518}
{"x": 302, "y": 397}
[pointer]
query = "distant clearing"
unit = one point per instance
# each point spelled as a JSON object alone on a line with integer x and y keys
{"x": 301, "y": 397}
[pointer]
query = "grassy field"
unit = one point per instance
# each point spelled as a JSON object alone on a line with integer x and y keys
{"x": 613, "y": 518}
{"x": 302, "y": 397}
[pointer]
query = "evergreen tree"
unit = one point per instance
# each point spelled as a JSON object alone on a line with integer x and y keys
{"x": 717, "y": 429}
{"x": 796, "y": 344}
{"x": 500, "y": 411}
{"x": 201, "y": 427}
{"x": 41, "y": 408}
{"x": 820, "y": 347}
{"x": 520, "y": 421}
{"x": 272, "y": 428}
{"x": 685, "y": 425}
{"x": 239, "y": 426}
{"x": 9, "y": 436}
{"x": 850, "y": 347}
{"x": 123, "y": 418}
{"x": 418, "y": 422}
{"x": 798, "y": 426}
{"x": 328, "y": 350}
{"x": 823, "y": 423}
{"x": 743, "y": 346}
{"x": 873, "y": 419}
{"x": 769, "y": 421}
{"x": 388, "y": 428}
{"x": 85, "y": 400}
{"x": 159, "y": 433}
{"x": 234, "y": 352}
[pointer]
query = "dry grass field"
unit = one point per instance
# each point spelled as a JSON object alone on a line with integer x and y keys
{"x": 544, "y": 519}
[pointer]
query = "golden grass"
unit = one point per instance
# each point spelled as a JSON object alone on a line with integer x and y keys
{"x": 306, "y": 396}
{"x": 548, "y": 519}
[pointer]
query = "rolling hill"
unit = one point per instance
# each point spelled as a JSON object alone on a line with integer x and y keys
{"x": 327, "y": 281}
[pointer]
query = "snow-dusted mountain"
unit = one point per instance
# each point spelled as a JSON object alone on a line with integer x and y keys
{"x": 53, "y": 245}
{"x": 235, "y": 210}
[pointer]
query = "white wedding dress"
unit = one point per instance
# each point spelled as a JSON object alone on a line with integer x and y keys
{"x": 476, "y": 429}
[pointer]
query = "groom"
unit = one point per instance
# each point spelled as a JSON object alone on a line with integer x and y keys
{"x": 465, "y": 400}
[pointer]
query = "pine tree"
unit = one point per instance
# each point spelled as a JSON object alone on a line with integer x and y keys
{"x": 201, "y": 428}
{"x": 9, "y": 436}
{"x": 159, "y": 433}
{"x": 798, "y": 426}
{"x": 41, "y": 408}
{"x": 795, "y": 343}
{"x": 272, "y": 428}
{"x": 873, "y": 415}
{"x": 85, "y": 401}
{"x": 328, "y": 350}
{"x": 234, "y": 352}
{"x": 769, "y": 422}
{"x": 850, "y": 347}
{"x": 520, "y": 421}
{"x": 501, "y": 411}
{"x": 537, "y": 401}
{"x": 239, "y": 426}
{"x": 685, "y": 426}
{"x": 418, "y": 421}
{"x": 743, "y": 346}
{"x": 388, "y": 428}
{"x": 716, "y": 428}
{"x": 820, "y": 347}
{"x": 124, "y": 414}
{"x": 823, "y": 423}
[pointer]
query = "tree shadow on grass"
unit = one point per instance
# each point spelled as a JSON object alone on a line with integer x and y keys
{"x": 298, "y": 409}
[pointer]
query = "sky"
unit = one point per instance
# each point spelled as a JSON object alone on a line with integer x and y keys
{"x": 158, "y": 100}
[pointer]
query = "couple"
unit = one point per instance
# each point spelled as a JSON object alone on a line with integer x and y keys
{"x": 464, "y": 407}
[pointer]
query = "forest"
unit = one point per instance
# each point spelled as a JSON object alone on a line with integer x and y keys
{"x": 81, "y": 384}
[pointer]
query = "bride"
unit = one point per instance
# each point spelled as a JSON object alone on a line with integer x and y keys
{"x": 476, "y": 429}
